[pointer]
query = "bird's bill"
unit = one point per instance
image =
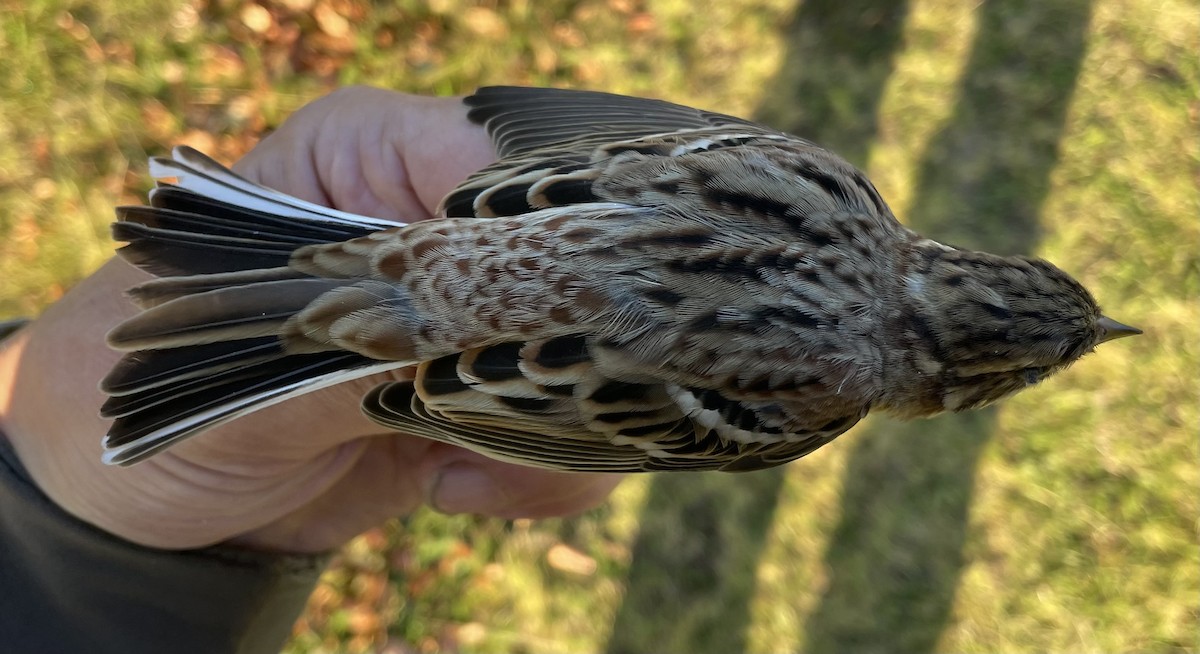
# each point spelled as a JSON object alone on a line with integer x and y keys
{"x": 1111, "y": 329}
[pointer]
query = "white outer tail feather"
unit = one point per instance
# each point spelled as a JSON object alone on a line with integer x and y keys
{"x": 194, "y": 171}
{"x": 169, "y": 435}
{"x": 200, "y": 174}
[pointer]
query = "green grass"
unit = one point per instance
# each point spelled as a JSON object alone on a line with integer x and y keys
{"x": 1063, "y": 520}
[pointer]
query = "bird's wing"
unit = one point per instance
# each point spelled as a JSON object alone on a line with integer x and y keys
{"x": 554, "y": 144}
{"x": 522, "y": 120}
{"x": 544, "y": 403}
{"x": 539, "y": 402}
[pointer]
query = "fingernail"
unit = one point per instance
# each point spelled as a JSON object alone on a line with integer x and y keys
{"x": 465, "y": 488}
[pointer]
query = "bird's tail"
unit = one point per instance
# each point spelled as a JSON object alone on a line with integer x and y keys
{"x": 207, "y": 347}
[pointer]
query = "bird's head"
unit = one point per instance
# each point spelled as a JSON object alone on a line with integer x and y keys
{"x": 982, "y": 327}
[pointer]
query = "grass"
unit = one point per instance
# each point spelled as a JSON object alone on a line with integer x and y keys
{"x": 1063, "y": 520}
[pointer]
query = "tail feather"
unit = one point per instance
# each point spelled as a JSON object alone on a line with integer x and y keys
{"x": 242, "y": 374}
{"x": 233, "y": 313}
{"x": 217, "y": 219}
{"x": 207, "y": 347}
{"x": 157, "y": 291}
{"x": 255, "y": 362}
{"x": 137, "y": 435}
{"x": 168, "y": 252}
{"x": 170, "y": 196}
{"x": 212, "y": 220}
{"x": 203, "y": 176}
{"x": 141, "y": 372}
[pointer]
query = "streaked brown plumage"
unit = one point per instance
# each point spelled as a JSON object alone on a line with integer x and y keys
{"x": 634, "y": 285}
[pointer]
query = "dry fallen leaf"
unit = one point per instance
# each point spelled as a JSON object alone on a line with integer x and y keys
{"x": 331, "y": 22}
{"x": 470, "y": 634}
{"x": 568, "y": 559}
{"x": 485, "y": 22}
{"x": 257, "y": 18}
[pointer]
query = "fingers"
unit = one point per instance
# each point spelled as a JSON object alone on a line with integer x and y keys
{"x": 394, "y": 474}
{"x": 373, "y": 152}
{"x": 436, "y": 165}
{"x": 460, "y": 481}
{"x": 384, "y": 482}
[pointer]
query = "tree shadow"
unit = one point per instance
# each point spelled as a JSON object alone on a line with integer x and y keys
{"x": 895, "y": 559}
{"x": 691, "y": 582}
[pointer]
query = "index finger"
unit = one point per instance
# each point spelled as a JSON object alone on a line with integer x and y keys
{"x": 373, "y": 152}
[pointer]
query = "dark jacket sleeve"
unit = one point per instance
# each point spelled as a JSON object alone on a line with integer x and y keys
{"x": 66, "y": 586}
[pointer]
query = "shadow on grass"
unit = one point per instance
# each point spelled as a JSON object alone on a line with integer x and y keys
{"x": 692, "y": 578}
{"x": 895, "y": 559}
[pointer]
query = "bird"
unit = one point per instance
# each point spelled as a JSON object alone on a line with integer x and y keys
{"x": 632, "y": 286}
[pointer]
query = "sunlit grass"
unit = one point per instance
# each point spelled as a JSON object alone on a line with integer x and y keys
{"x": 1081, "y": 528}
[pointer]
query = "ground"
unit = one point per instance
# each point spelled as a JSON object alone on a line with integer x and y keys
{"x": 1063, "y": 520}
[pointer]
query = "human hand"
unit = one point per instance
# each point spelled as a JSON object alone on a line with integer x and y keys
{"x": 304, "y": 475}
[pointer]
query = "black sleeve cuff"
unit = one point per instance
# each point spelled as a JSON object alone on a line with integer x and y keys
{"x": 66, "y": 586}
